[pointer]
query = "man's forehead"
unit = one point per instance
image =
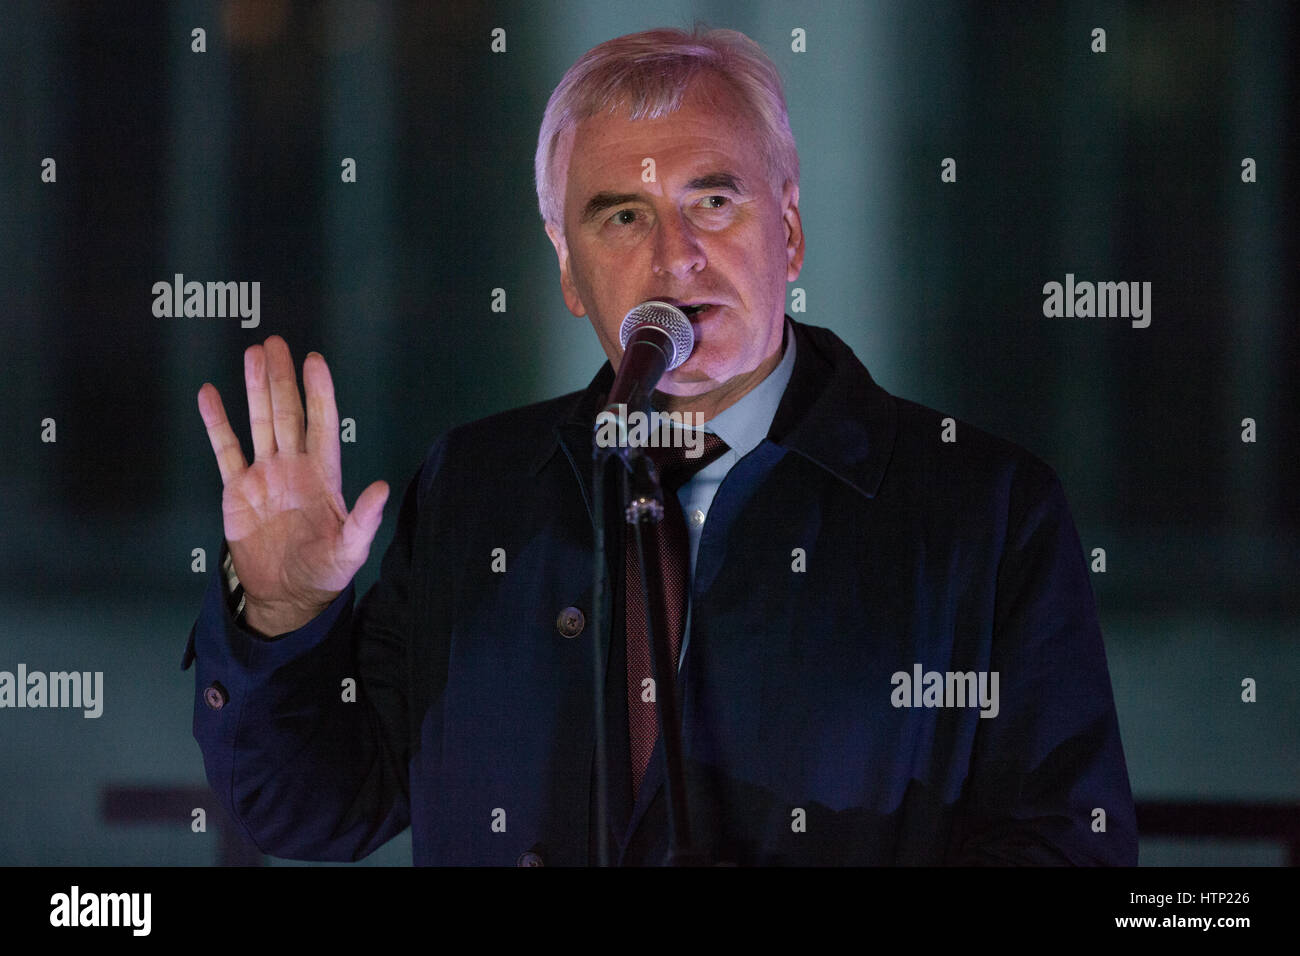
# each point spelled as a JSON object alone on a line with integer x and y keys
{"x": 610, "y": 147}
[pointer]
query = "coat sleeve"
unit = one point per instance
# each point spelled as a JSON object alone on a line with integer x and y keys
{"x": 311, "y": 771}
{"x": 1048, "y": 772}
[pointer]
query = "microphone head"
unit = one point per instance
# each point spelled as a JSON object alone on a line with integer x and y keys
{"x": 668, "y": 319}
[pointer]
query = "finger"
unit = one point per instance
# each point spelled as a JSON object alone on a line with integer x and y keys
{"x": 259, "y": 402}
{"x": 286, "y": 403}
{"x": 322, "y": 416}
{"x": 359, "y": 530}
{"x": 230, "y": 457}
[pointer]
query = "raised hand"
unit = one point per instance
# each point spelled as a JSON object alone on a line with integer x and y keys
{"x": 292, "y": 540}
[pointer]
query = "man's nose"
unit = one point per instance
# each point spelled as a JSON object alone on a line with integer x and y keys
{"x": 676, "y": 247}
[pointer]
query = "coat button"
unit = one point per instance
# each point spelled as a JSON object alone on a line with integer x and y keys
{"x": 215, "y": 696}
{"x": 570, "y": 622}
{"x": 530, "y": 858}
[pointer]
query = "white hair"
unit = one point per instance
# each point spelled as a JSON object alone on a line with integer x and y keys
{"x": 649, "y": 74}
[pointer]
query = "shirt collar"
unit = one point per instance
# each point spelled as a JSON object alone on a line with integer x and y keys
{"x": 745, "y": 424}
{"x": 831, "y": 411}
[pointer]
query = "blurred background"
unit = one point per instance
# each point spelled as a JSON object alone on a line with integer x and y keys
{"x": 225, "y": 165}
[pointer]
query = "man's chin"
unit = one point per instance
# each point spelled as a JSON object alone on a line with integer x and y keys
{"x": 690, "y": 379}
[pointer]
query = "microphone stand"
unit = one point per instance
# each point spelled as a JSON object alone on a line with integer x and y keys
{"x": 645, "y": 508}
{"x": 600, "y": 596}
{"x": 642, "y": 499}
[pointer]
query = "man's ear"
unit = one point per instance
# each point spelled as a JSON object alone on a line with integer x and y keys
{"x": 794, "y": 244}
{"x": 567, "y": 285}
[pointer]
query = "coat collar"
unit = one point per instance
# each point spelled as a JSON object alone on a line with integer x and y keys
{"x": 833, "y": 413}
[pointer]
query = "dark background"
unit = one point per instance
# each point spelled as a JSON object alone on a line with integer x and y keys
{"x": 225, "y": 165}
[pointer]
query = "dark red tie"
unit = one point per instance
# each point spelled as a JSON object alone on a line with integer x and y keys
{"x": 669, "y": 543}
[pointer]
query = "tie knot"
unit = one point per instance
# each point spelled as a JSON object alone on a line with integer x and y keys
{"x": 675, "y": 464}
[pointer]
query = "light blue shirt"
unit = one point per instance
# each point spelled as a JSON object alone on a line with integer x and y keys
{"x": 743, "y": 427}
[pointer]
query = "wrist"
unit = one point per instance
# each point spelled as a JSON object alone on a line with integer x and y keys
{"x": 268, "y": 618}
{"x": 274, "y": 620}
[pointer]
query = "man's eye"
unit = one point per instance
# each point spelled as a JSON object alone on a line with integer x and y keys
{"x": 624, "y": 217}
{"x": 719, "y": 200}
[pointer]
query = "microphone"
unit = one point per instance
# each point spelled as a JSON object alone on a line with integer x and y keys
{"x": 656, "y": 338}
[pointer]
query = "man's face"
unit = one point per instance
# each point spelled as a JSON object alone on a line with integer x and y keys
{"x": 711, "y": 228}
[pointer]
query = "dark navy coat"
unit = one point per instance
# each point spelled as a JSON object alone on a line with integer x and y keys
{"x": 473, "y": 714}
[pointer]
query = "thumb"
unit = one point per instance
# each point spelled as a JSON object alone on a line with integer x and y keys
{"x": 361, "y": 525}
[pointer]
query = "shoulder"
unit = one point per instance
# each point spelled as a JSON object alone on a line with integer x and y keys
{"x": 960, "y": 463}
{"x": 965, "y": 442}
{"x": 927, "y": 457}
{"x": 507, "y": 442}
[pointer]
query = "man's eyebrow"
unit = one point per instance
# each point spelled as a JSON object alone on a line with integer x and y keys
{"x": 605, "y": 200}
{"x": 718, "y": 180}
{"x": 602, "y": 201}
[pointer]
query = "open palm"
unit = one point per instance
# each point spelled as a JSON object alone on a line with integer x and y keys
{"x": 293, "y": 543}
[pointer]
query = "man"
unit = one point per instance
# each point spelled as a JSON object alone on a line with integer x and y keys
{"x": 890, "y": 655}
